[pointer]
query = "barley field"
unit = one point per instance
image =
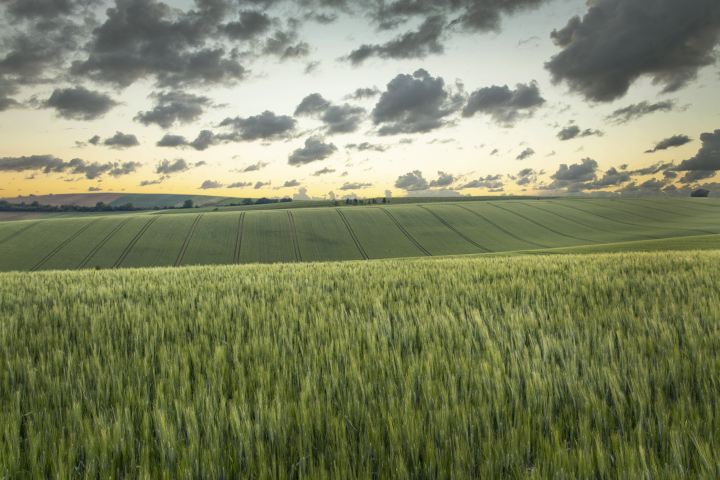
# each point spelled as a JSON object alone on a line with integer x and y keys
{"x": 562, "y": 366}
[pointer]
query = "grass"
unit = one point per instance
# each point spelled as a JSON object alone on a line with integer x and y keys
{"x": 347, "y": 232}
{"x": 572, "y": 366}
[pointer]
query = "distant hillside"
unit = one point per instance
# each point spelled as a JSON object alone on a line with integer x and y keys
{"x": 140, "y": 200}
{"x": 82, "y": 199}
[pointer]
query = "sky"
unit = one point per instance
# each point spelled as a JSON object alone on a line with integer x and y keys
{"x": 313, "y": 99}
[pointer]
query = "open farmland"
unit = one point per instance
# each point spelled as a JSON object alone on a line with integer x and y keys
{"x": 596, "y": 366}
{"x": 197, "y": 237}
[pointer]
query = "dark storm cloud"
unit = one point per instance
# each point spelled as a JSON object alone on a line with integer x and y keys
{"x": 167, "y": 168}
{"x": 573, "y": 131}
{"x": 121, "y": 140}
{"x": 282, "y": 44}
{"x": 505, "y": 106}
{"x": 175, "y": 106}
{"x": 490, "y": 182}
{"x": 528, "y": 152}
{"x": 172, "y": 141}
{"x": 635, "y": 111}
{"x": 695, "y": 175}
{"x": 265, "y": 126}
{"x": 94, "y": 140}
{"x": 210, "y": 184}
{"x": 708, "y": 157}
{"x": 618, "y": 41}
{"x": 149, "y": 39}
{"x": 79, "y": 103}
{"x": 315, "y": 149}
{"x": 240, "y": 185}
{"x": 412, "y": 181}
{"x": 444, "y": 180}
{"x": 418, "y": 44}
{"x": 414, "y": 104}
{"x": 344, "y": 118}
{"x": 355, "y": 186}
{"x": 674, "y": 141}
{"x": 361, "y": 147}
{"x": 323, "y": 171}
{"x": 250, "y": 25}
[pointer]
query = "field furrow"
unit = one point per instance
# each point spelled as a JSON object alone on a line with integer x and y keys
{"x": 293, "y": 231}
{"x": 132, "y": 243}
{"x": 189, "y": 237}
{"x": 238, "y": 239}
{"x": 352, "y": 234}
{"x": 498, "y": 227}
{"x": 513, "y": 209}
{"x": 214, "y": 240}
{"x": 267, "y": 238}
{"x": 379, "y": 235}
{"x": 102, "y": 243}
{"x": 161, "y": 242}
{"x": 405, "y": 232}
{"x": 14, "y": 230}
{"x": 59, "y": 247}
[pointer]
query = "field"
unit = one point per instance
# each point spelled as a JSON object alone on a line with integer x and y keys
{"x": 292, "y": 233}
{"x": 562, "y": 366}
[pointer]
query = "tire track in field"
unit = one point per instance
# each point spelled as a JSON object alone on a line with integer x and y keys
{"x": 352, "y": 234}
{"x": 238, "y": 238}
{"x": 59, "y": 247}
{"x": 638, "y": 200}
{"x": 189, "y": 236}
{"x": 132, "y": 243}
{"x": 13, "y": 235}
{"x": 458, "y": 232}
{"x": 402, "y": 229}
{"x": 100, "y": 245}
{"x": 584, "y": 225}
{"x": 293, "y": 232}
{"x": 544, "y": 226}
{"x": 662, "y": 228}
{"x": 688, "y": 202}
{"x": 500, "y": 228}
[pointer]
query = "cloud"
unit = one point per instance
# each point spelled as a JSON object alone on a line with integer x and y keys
{"x": 361, "y": 147}
{"x": 240, "y": 185}
{"x": 695, "y": 175}
{"x": 302, "y": 195}
{"x": 707, "y": 158}
{"x": 46, "y": 10}
{"x": 315, "y": 149}
{"x": 95, "y": 189}
{"x": 167, "y": 168}
{"x": 250, "y": 25}
{"x": 444, "y": 180}
{"x": 169, "y": 140}
{"x": 412, "y": 181}
{"x": 282, "y": 44}
{"x": 528, "y": 152}
{"x": 323, "y": 171}
{"x": 291, "y": 183}
{"x": 344, "y": 118}
{"x": 311, "y": 67}
{"x": 505, "y": 106}
{"x": 121, "y": 140}
{"x": 265, "y": 126}
{"x": 414, "y": 104}
{"x": 94, "y": 140}
{"x": 204, "y": 140}
{"x": 635, "y": 111}
{"x": 490, "y": 182}
{"x": 259, "y": 185}
{"x": 209, "y": 184}
{"x": 174, "y": 107}
{"x": 618, "y": 41}
{"x": 495, "y": 152}
{"x": 573, "y": 131}
{"x": 76, "y": 166}
{"x": 574, "y": 177}
{"x": 363, "y": 93}
{"x": 355, "y": 186}
{"x": 417, "y": 44}
{"x": 255, "y": 167}
{"x": 149, "y": 39}
{"x": 649, "y": 188}
{"x": 79, "y": 103}
{"x": 146, "y": 183}
{"x": 674, "y": 141}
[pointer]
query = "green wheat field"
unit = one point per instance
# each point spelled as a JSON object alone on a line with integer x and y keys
{"x": 560, "y": 339}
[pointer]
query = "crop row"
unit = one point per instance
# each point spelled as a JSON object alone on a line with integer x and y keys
{"x": 330, "y": 234}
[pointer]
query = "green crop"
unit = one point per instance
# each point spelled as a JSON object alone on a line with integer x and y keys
{"x": 572, "y": 366}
